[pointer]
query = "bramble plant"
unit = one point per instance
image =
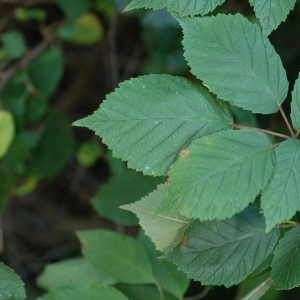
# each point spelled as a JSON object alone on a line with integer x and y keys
{"x": 231, "y": 188}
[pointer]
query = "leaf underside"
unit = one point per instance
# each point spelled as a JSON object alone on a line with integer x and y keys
{"x": 231, "y": 56}
{"x": 165, "y": 230}
{"x": 286, "y": 264}
{"x": 280, "y": 199}
{"x": 224, "y": 252}
{"x": 295, "y": 105}
{"x": 271, "y": 12}
{"x": 219, "y": 175}
{"x": 148, "y": 120}
{"x": 182, "y": 7}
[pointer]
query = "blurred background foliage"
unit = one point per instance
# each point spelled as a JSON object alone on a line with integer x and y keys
{"x": 58, "y": 60}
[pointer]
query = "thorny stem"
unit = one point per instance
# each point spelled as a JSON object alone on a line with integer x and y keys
{"x": 200, "y": 295}
{"x": 263, "y": 130}
{"x": 287, "y": 121}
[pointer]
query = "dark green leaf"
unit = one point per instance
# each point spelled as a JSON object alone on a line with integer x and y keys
{"x": 232, "y": 56}
{"x": 122, "y": 189}
{"x": 149, "y": 119}
{"x": 45, "y": 72}
{"x": 295, "y": 105}
{"x": 219, "y": 175}
{"x": 286, "y": 264}
{"x": 224, "y": 252}
{"x": 73, "y": 9}
{"x": 11, "y": 286}
{"x": 116, "y": 256}
{"x": 165, "y": 230}
{"x": 14, "y": 42}
{"x": 280, "y": 199}
{"x": 271, "y": 12}
{"x": 36, "y": 107}
{"x": 182, "y": 7}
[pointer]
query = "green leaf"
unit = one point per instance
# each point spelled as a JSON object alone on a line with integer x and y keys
{"x": 231, "y": 56}
{"x": 55, "y": 147}
{"x": 295, "y": 105}
{"x": 165, "y": 230}
{"x": 14, "y": 42}
{"x": 89, "y": 152}
{"x": 286, "y": 264}
{"x": 182, "y": 7}
{"x": 116, "y": 256}
{"x": 224, "y": 252}
{"x": 45, "y": 72}
{"x": 7, "y": 131}
{"x": 122, "y": 189}
{"x": 148, "y": 120}
{"x": 36, "y": 108}
{"x": 73, "y": 9}
{"x": 271, "y": 12}
{"x": 169, "y": 278}
{"x": 280, "y": 199}
{"x": 259, "y": 291}
{"x": 86, "y": 292}
{"x": 219, "y": 175}
{"x": 11, "y": 286}
{"x": 24, "y": 14}
{"x": 70, "y": 272}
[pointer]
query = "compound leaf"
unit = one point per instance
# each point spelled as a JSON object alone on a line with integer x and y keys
{"x": 219, "y": 175}
{"x": 286, "y": 264}
{"x": 182, "y": 7}
{"x": 271, "y": 12}
{"x": 295, "y": 105}
{"x": 280, "y": 199}
{"x": 116, "y": 256}
{"x": 231, "y": 56}
{"x": 11, "y": 286}
{"x": 224, "y": 252}
{"x": 165, "y": 230}
{"x": 148, "y": 120}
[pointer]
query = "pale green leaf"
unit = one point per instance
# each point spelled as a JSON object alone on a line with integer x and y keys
{"x": 224, "y": 252}
{"x": 70, "y": 272}
{"x": 7, "y": 131}
{"x": 286, "y": 264}
{"x": 182, "y": 7}
{"x": 171, "y": 280}
{"x": 232, "y": 56}
{"x": 148, "y": 120}
{"x": 86, "y": 292}
{"x": 295, "y": 105}
{"x": 259, "y": 291}
{"x": 11, "y": 286}
{"x": 122, "y": 189}
{"x": 280, "y": 199}
{"x": 219, "y": 175}
{"x": 165, "y": 230}
{"x": 116, "y": 256}
{"x": 271, "y": 12}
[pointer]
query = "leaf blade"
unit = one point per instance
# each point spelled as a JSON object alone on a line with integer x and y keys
{"x": 295, "y": 105}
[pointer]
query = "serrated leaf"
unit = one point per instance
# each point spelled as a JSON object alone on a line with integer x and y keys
{"x": 231, "y": 55}
{"x": 149, "y": 119}
{"x": 280, "y": 199}
{"x": 165, "y": 230}
{"x": 11, "y": 286}
{"x": 171, "y": 280}
{"x": 286, "y": 264}
{"x": 271, "y": 12}
{"x": 122, "y": 189}
{"x": 295, "y": 105}
{"x": 116, "y": 256}
{"x": 219, "y": 175}
{"x": 86, "y": 292}
{"x": 70, "y": 272}
{"x": 224, "y": 252}
{"x": 182, "y": 7}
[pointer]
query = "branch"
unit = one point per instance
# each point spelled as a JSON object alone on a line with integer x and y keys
{"x": 287, "y": 121}
{"x": 21, "y": 64}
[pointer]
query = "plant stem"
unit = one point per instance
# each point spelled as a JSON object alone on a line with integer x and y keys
{"x": 160, "y": 290}
{"x": 200, "y": 295}
{"x": 262, "y": 130}
{"x": 288, "y": 124}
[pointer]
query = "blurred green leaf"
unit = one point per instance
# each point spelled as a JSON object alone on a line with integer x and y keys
{"x": 11, "y": 286}
{"x": 7, "y": 131}
{"x": 89, "y": 152}
{"x": 14, "y": 42}
{"x": 36, "y": 107}
{"x": 121, "y": 189}
{"x": 73, "y": 9}
{"x": 25, "y": 14}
